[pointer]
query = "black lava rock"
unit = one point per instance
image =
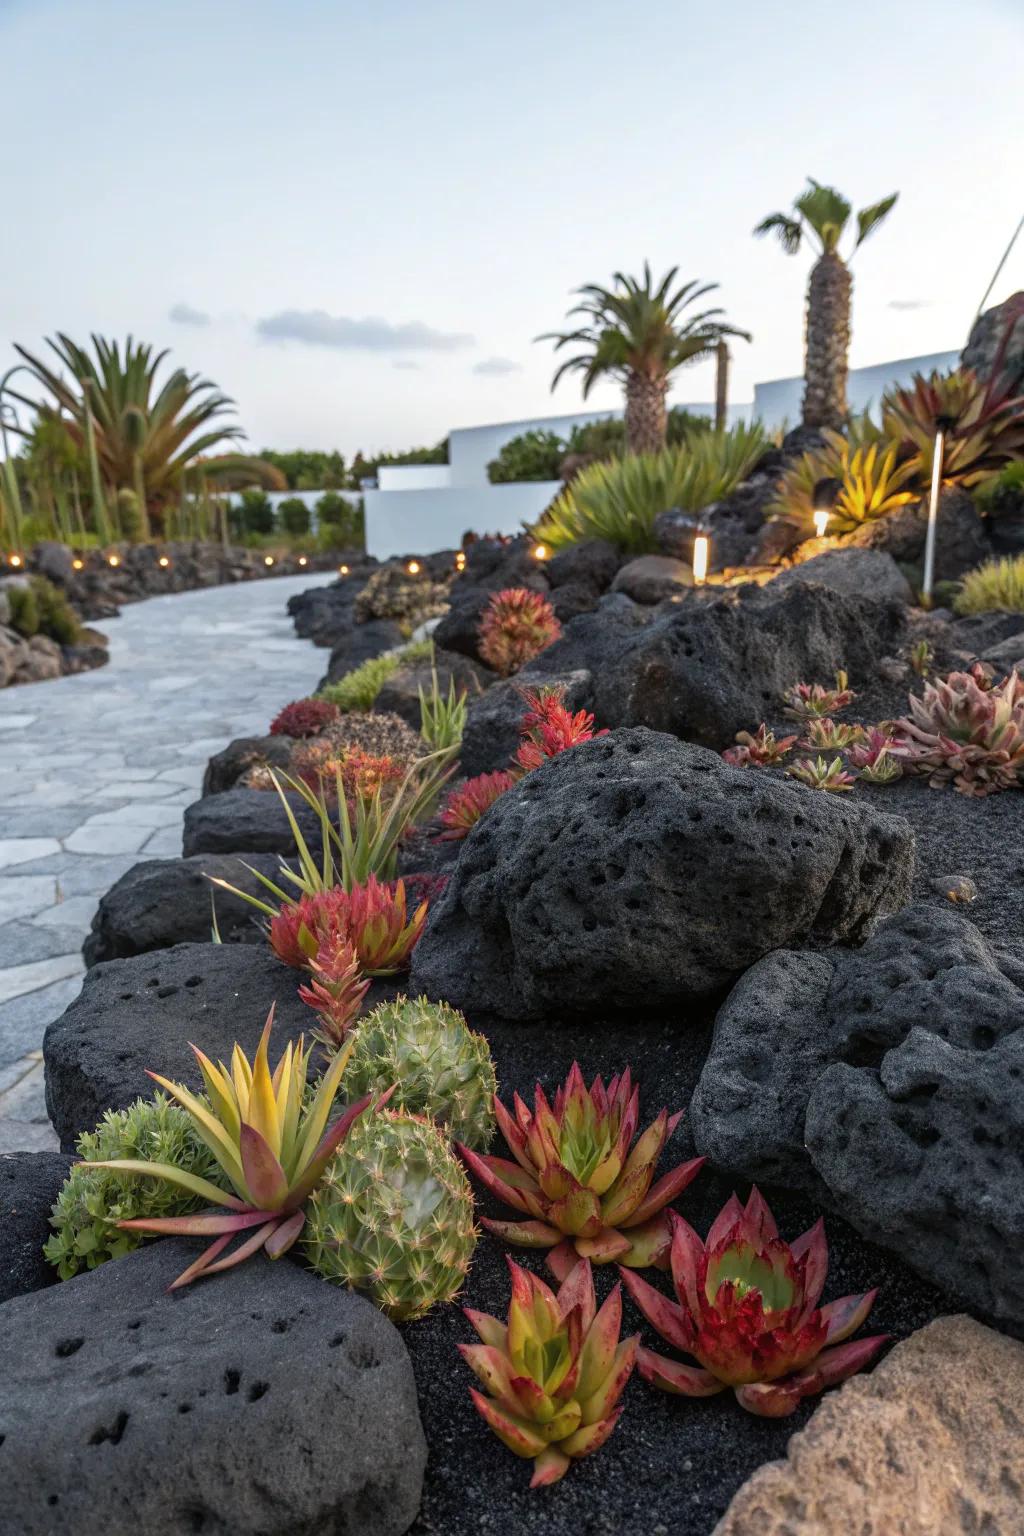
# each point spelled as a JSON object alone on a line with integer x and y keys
{"x": 224, "y": 769}
{"x": 400, "y": 695}
{"x": 171, "y": 901}
{"x": 635, "y": 871}
{"x": 960, "y": 539}
{"x": 359, "y": 644}
{"x": 29, "y": 1184}
{"x": 858, "y": 573}
{"x": 253, "y": 819}
{"x": 125, "y": 1409}
{"x": 141, "y": 1013}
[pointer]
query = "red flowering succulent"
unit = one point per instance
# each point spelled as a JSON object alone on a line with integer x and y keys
{"x": 577, "y": 1174}
{"x": 467, "y": 802}
{"x": 336, "y": 991}
{"x": 304, "y": 717}
{"x": 517, "y": 625}
{"x": 548, "y": 728}
{"x": 747, "y": 1311}
{"x": 371, "y": 917}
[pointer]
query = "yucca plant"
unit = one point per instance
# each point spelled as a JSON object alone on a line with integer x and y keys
{"x": 271, "y": 1147}
{"x": 442, "y": 717}
{"x": 619, "y": 501}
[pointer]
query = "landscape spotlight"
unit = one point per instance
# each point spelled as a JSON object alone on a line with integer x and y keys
{"x": 943, "y": 425}
{"x": 78, "y": 564}
{"x": 413, "y": 567}
{"x": 540, "y": 551}
{"x": 823, "y": 501}
{"x": 302, "y": 560}
{"x": 701, "y": 550}
{"x": 342, "y": 570}
{"x": 14, "y": 560}
{"x": 163, "y": 561}
{"x": 113, "y": 559}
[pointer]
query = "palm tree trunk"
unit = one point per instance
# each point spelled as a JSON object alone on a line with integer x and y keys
{"x": 645, "y": 413}
{"x": 827, "y": 343}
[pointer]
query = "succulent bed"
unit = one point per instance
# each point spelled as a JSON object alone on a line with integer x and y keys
{"x": 580, "y": 1070}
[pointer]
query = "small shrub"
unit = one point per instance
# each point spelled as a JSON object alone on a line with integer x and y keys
{"x": 392, "y": 592}
{"x": 304, "y": 717}
{"x": 294, "y": 516}
{"x": 24, "y": 611}
{"x": 517, "y": 625}
{"x": 256, "y": 513}
{"x": 43, "y": 609}
{"x": 998, "y": 584}
{"x": 91, "y": 1203}
{"x": 358, "y": 689}
{"x": 340, "y": 523}
{"x": 534, "y": 455}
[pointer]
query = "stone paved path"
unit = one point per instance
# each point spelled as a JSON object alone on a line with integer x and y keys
{"x": 95, "y": 773}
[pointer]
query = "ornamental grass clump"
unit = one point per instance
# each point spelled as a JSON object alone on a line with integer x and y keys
{"x": 965, "y": 731}
{"x": 270, "y": 1143}
{"x": 586, "y": 1187}
{"x": 747, "y": 1311}
{"x": 553, "y": 1374}
{"x": 438, "y": 1066}
{"x": 392, "y": 1216}
{"x": 91, "y": 1205}
{"x": 998, "y": 585}
{"x": 517, "y": 625}
{"x": 760, "y": 750}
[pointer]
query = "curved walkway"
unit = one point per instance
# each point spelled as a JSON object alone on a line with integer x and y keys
{"x": 95, "y": 773}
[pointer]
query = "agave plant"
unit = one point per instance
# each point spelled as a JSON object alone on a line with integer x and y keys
{"x": 272, "y": 1150}
{"x": 966, "y": 731}
{"x": 548, "y": 728}
{"x": 552, "y": 1375}
{"x": 580, "y": 1178}
{"x": 810, "y": 701}
{"x": 372, "y": 919}
{"x": 816, "y": 773}
{"x": 747, "y": 1311}
{"x": 983, "y": 422}
{"x": 760, "y": 750}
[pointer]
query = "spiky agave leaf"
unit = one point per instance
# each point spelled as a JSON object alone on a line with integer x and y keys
{"x": 747, "y": 1311}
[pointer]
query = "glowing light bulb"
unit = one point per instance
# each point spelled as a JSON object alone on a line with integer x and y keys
{"x": 302, "y": 560}
{"x": 821, "y": 523}
{"x": 701, "y": 547}
{"x": 342, "y": 570}
{"x": 460, "y": 561}
{"x": 413, "y": 567}
{"x": 113, "y": 559}
{"x": 78, "y": 564}
{"x": 540, "y": 551}
{"x": 163, "y": 561}
{"x": 268, "y": 559}
{"x": 14, "y": 560}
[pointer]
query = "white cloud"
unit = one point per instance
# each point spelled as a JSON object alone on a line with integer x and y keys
{"x": 495, "y": 366}
{"x": 316, "y": 328}
{"x": 184, "y": 314}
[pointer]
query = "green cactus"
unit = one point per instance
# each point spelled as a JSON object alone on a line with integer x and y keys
{"x": 439, "y": 1066}
{"x": 393, "y": 1216}
{"x": 91, "y": 1201}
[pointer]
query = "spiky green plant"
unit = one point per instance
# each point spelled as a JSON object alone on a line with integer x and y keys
{"x": 441, "y": 1068}
{"x": 91, "y": 1203}
{"x": 619, "y": 501}
{"x": 358, "y": 689}
{"x": 442, "y": 717}
{"x": 996, "y": 585}
{"x": 393, "y": 1216}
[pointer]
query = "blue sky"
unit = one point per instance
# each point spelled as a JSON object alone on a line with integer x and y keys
{"x": 355, "y": 218}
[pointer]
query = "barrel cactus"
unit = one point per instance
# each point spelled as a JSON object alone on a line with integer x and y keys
{"x": 441, "y": 1068}
{"x": 393, "y": 1216}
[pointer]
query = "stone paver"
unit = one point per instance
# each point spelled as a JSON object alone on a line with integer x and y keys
{"x": 95, "y": 774}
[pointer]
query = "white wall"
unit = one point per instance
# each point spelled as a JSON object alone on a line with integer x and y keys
{"x": 780, "y": 400}
{"x": 422, "y": 522}
{"x": 413, "y": 477}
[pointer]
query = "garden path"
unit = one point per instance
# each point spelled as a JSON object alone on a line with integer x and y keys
{"x": 95, "y": 773}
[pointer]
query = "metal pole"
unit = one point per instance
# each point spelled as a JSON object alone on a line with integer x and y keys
{"x": 721, "y": 383}
{"x": 933, "y": 514}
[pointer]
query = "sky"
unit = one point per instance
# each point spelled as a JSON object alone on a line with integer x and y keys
{"x": 356, "y": 217}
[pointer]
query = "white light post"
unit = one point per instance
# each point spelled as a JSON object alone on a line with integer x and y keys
{"x": 943, "y": 424}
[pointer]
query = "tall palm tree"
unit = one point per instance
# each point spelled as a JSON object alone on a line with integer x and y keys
{"x": 640, "y": 334}
{"x": 140, "y": 434}
{"x": 820, "y": 216}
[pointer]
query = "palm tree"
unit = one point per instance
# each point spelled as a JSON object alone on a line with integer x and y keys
{"x": 820, "y": 215}
{"x": 138, "y": 434}
{"x": 639, "y": 334}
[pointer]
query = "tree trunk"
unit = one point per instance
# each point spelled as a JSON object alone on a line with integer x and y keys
{"x": 827, "y": 343}
{"x": 645, "y": 413}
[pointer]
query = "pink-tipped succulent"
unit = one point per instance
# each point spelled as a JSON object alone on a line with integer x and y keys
{"x": 584, "y": 1186}
{"x": 830, "y": 735}
{"x": 747, "y": 1311}
{"x": 552, "y": 1375}
{"x": 810, "y": 701}
{"x": 760, "y": 750}
{"x": 816, "y": 773}
{"x": 465, "y": 804}
{"x": 304, "y": 717}
{"x": 373, "y": 918}
{"x": 517, "y": 625}
{"x": 873, "y": 759}
{"x": 336, "y": 991}
{"x": 965, "y": 730}
{"x": 548, "y": 728}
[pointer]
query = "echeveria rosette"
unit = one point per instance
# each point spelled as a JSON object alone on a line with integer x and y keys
{"x": 552, "y": 1375}
{"x": 748, "y": 1313}
{"x": 586, "y": 1189}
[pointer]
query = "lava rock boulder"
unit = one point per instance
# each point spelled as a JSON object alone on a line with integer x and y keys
{"x": 266, "y": 1402}
{"x": 253, "y": 820}
{"x": 29, "y": 1184}
{"x": 225, "y": 768}
{"x": 142, "y": 1013}
{"x": 857, "y": 573}
{"x": 635, "y": 871}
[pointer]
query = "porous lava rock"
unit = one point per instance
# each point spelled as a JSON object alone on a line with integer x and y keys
{"x": 241, "y": 819}
{"x": 225, "y": 768}
{"x": 889, "y": 1079}
{"x": 857, "y": 573}
{"x": 361, "y": 643}
{"x": 635, "y": 870}
{"x": 960, "y": 539}
{"x": 171, "y": 901}
{"x": 125, "y": 1409}
{"x": 142, "y": 1013}
{"x": 29, "y": 1185}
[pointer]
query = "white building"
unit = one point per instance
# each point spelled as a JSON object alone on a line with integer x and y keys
{"x": 418, "y": 508}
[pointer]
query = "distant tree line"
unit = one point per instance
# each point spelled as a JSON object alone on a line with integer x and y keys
{"x": 308, "y": 469}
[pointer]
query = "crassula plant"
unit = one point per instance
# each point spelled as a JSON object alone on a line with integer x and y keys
{"x": 517, "y": 625}
{"x": 830, "y": 735}
{"x": 553, "y": 1374}
{"x": 965, "y": 731}
{"x": 586, "y": 1188}
{"x": 747, "y": 1312}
